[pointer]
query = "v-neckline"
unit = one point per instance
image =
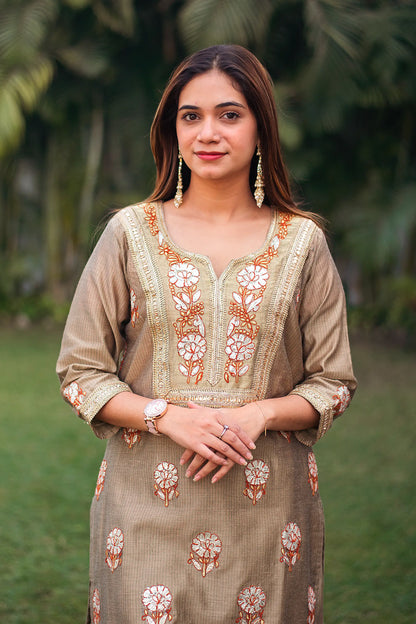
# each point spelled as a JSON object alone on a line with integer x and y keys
{"x": 193, "y": 254}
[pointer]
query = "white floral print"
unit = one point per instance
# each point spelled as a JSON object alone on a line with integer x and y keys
{"x": 311, "y": 605}
{"x": 166, "y": 482}
{"x": 157, "y": 603}
{"x": 131, "y": 436}
{"x": 253, "y": 277}
{"x": 183, "y": 279}
{"x": 75, "y": 395}
{"x": 251, "y": 602}
{"x": 242, "y": 327}
{"x": 291, "y": 540}
{"x": 341, "y": 400}
{"x": 96, "y": 607}
{"x": 101, "y": 479}
{"x": 183, "y": 274}
{"x": 114, "y": 550}
{"x": 205, "y": 550}
{"x": 312, "y": 472}
{"x": 257, "y": 473}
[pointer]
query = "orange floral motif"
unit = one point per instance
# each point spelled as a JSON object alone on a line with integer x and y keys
{"x": 183, "y": 284}
{"x": 166, "y": 482}
{"x": 243, "y": 327}
{"x": 96, "y": 607}
{"x": 251, "y": 602}
{"x": 341, "y": 399}
{"x": 134, "y": 308}
{"x": 312, "y": 472}
{"x": 131, "y": 436}
{"x": 101, "y": 479}
{"x": 257, "y": 472}
{"x": 291, "y": 539}
{"x": 285, "y": 435}
{"x": 205, "y": 549}
{"x": 74, "y": 395}
{"x": 311, "y": 606}
{"x": 157, "y": 603}
{"x": 114, "y": 550}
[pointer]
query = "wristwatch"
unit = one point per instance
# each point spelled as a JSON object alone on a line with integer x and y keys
{"x": 154, "y": 409}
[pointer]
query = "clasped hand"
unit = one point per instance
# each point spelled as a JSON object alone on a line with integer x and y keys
{"x": 198, "y": 430}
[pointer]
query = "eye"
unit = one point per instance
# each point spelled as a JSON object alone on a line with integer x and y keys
{"x": 190, "y": 116}
{"x": 231, "y": 115}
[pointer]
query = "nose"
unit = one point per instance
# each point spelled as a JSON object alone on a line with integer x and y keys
{"x": 208, "y": 131}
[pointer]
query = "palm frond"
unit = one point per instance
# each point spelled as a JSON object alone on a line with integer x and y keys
{"x": 209, "y": 22}
{"x": 120, "y": 17}
{"x": 19, "y": 92}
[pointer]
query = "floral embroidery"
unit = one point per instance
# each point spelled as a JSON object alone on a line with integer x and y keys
{"x": 166, "y": 482}
{"x": 341, "y": 399}
{"x": 96, "y": 607}
{"x": 243, "y": 327}
{"x": 312, "y": 472}
{"x": 257, "y": 472}
{"x": 134, "y": 308}
{"x": 101, "y": 478}
{"x": 251, "y": 601}
{"x": 157, "y": 601}
{"x": 205, "y": 550}
{"x": 285, "y": 435}
{"x": 131, "y": 436}
{"x": 74, "y": 395}
{"x": 114, "y": 551}
{"x": 291, "y": 539}
{"x": 311, "y": 606}
{"x": 183, "y": 284}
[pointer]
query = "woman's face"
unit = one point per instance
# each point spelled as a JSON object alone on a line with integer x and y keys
{"x": 216, "y": 130}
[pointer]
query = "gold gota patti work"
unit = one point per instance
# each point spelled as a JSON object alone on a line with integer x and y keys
{"x": 155, "y": 319}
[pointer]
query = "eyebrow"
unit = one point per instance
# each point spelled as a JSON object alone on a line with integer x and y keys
{"x": 222, "y": 105}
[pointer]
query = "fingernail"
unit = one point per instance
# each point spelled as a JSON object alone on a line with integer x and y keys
{"x": 243, "y": 461}
{"x": 196, "y": 478}
{"x": 188, "y": 473}
{"x": 252, "y": 445}
{"x": 214, "y": 479}
{"x": 249, "y": 456}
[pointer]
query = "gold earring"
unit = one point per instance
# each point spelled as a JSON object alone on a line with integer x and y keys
{"x": 178, "y": 196}
{"x": 259, "y": 183}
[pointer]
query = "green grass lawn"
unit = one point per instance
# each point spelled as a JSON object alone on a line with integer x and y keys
{"x": 49, "y": 462}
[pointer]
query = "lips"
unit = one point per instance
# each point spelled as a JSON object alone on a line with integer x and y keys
{"x": 210, "y": 155}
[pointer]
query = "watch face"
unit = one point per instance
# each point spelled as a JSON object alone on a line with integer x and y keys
{"x": 155, "y": 408}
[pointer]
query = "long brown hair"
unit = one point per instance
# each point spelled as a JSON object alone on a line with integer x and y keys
{"x": 252, "y": 79}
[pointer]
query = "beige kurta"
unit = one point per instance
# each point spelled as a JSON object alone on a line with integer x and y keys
{"x": 149, "y": 317}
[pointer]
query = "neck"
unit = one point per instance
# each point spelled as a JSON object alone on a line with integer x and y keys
{"x": 219, "y": 200}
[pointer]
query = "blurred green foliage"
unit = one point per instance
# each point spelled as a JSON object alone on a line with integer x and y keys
{"x": 80, "y": 81}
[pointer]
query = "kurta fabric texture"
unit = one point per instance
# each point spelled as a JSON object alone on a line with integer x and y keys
{"x": 151, "y": 318}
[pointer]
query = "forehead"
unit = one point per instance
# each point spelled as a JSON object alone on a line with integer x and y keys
{"x": 211, "y": 88}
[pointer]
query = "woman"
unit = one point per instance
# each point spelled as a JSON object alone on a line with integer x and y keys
{"x": 207, "y": 342}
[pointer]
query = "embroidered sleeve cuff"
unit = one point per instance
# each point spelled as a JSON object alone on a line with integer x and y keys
{"x": 310, "y": 436}
{"x": 95, "y": 401}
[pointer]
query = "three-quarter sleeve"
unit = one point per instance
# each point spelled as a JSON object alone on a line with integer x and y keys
{"x": 93, "y": 340}
{"x": 329, "y": 381}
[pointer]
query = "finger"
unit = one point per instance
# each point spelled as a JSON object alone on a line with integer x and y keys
{"x": 221, "y": 447}
{"x": 195, "y": 465}
{"x": 222, "y": 472}
{"x": 209, "y": 467}
{"x": 236, "y": 435}
{"x": 186, "y": 456}
{"x": 193, "y": 405}
{"x": 231, "y": 436}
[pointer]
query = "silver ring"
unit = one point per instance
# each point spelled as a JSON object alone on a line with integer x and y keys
{"x": 224, "y": 431}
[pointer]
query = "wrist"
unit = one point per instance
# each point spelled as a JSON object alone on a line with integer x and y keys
{"x": 154, "y": 411}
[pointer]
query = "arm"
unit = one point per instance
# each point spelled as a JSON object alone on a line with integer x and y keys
{"x": 328, "y": 383}
{"x": 92, "y": 346}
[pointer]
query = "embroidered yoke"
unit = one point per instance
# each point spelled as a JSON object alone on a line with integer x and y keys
{"x": 151, "y": 318}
